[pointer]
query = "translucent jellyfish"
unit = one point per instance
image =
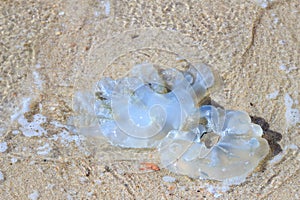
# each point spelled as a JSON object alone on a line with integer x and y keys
{"x": 225, "y": 145}
{"x": 139, "y": 110}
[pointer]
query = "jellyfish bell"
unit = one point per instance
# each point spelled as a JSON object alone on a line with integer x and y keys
{"x": 227, "y": 146}
{"x": 144, "y": 106}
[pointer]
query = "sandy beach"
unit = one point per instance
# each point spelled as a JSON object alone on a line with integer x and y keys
{"x": 51, "y": 51}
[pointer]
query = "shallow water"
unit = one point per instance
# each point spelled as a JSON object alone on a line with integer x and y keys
{"x": 51, "y": 50}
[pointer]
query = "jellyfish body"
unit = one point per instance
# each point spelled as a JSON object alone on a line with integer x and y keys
{"x": 156, "y": 107}
{"x": 227, "y": 145}
{"x": 139, "y": 110}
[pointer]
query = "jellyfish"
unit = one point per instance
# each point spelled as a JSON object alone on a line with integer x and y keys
{"x": 139, "y": 110}
{"x": 225, "y": 145}
{"x": 159, "y": 107}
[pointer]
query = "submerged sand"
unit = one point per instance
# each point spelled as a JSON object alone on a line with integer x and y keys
{"x": 52, "y": 49}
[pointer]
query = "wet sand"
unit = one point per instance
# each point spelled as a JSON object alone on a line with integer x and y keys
{"x": 52, "y": 49}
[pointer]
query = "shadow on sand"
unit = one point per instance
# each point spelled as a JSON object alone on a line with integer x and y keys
{"x": 271, "y": 136}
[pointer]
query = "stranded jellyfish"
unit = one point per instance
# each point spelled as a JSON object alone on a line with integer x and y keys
{"x": 139, "y": 110}
{"x": 224, "y": 145}
{"x": 158, "y": 107}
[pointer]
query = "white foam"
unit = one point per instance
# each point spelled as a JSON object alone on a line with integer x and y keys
{"x": 33, "y": 128}
{"x": 15, "y": 132}
{"x": 98, "y": 182}
{"x": 96, "y": 13}
{"x": 282, "y": 67}
{"x": 25, "y": 108}
{"x": 58, "y": 124}
{"x": 262, "y": 3}
{"x": 38, "y": 66}
{"x": 107, "y": 7}
{"x": 214, "y": 190}
{"x": 292, "y": 115}
{"x": 30, "y": 129}
{"x": 169, "y": 179}
{"x": 282, "y": 42}
{"x": 3, "y": 147}
{"x": 291, "y": 146}
{"x": 50, "y": 186}
{"x": 90, "y": 194}
{"x": 14, "y": 160}
{"x": 66, "y": 138}
{"x": 2, "y": 131}
{"x": 34, "y": 195}
{"x": 1, "y": 176}
{"x": 44, "y": 150}
{"x": 291, "y": 69}
{"x": 37, "y": 80}
{"x": 276, "y": 19}
{"x": 287, "y": 69}
{"x": 273, "y": 95}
